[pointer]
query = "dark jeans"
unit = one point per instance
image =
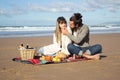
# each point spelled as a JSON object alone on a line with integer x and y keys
{"x": 95, "y": 49}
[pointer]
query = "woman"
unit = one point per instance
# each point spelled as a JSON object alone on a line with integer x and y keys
{"x": 60, "y": 41}
{"x": 80, "y": 39}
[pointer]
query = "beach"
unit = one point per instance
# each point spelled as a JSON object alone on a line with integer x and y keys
{"x": 108, "y": 68}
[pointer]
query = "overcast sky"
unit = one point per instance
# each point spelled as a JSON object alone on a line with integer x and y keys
{"x": 39, "y": 12}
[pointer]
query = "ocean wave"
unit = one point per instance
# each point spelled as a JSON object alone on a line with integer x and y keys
{"x": 25, "y": 28}
{"x": 25, "y": 31}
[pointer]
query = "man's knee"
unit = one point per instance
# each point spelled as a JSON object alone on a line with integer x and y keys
{"x": 99, "y": 47}
{"x": 70, "y": 46}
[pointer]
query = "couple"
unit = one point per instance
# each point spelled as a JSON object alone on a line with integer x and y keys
{"x": 72, "y": 40}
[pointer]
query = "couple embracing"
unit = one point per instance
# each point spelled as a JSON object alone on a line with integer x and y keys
{"x": 72, "y": 40}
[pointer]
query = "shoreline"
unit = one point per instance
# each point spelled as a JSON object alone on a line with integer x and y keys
{"x": 95, "y": 70}
{"x": 51, "y": 34}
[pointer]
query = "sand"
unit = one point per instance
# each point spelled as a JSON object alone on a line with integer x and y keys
{"x": 108, "y": 68}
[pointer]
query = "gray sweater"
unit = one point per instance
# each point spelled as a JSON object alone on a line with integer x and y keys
{"x": 82, "y": 36}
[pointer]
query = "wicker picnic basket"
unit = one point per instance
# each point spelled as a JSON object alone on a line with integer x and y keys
{"x": 26, "y": 54}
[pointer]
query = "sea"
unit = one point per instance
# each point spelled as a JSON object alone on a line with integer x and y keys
{"x": 47, "y": 30}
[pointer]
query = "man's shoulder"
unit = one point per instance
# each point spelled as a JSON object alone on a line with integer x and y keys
{"x": 84, "y": 25}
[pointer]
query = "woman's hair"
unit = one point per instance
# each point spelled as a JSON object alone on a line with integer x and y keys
{"x": 58, "y": 30}
{"x": 77, "y": 19}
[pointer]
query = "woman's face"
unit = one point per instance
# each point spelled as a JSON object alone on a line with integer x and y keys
{"x": 71, "y": 24}
{"x": 62, "y": 25}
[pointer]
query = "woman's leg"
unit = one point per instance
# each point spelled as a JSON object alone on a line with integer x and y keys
{"x": 74, "y": 49}
{"x": 41, "y": 51}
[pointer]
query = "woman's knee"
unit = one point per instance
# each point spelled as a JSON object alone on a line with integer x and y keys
{"x": 41, "y": 50}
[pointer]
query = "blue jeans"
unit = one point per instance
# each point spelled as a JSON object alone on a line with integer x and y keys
{"x": 95, "y": 49}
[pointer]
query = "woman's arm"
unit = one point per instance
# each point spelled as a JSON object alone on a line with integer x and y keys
{"x": 65, "y": 42}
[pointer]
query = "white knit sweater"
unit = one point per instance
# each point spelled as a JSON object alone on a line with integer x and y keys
{"x": 55, "y": 47}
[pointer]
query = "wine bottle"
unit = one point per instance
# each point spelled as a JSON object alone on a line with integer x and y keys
{"x": 27, "y": 46}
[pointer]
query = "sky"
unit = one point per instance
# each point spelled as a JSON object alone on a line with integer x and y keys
{"x": 45, "y": 12}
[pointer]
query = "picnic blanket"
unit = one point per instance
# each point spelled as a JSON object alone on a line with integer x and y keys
{"x": 37, "y": 61}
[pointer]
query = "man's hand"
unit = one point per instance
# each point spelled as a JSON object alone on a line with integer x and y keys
{"x": 64, "y": 31}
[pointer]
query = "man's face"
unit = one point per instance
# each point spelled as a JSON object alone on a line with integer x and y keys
{"x": 71, "y": 24}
